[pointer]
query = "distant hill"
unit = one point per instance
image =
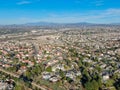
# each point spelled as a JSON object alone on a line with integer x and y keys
{"x": 58, "y": 25}
{"x": 115, "y": 23}
{"x": 50, "y": 23}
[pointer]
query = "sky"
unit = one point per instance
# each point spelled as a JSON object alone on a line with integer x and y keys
{"x": 59, "y": 11}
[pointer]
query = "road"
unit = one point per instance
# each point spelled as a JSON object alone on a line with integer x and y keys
{"x": 34, "y": 84}
{"x": 9, "y": 73}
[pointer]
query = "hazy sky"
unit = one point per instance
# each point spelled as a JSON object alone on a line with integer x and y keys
{"x": 62, "y": 11}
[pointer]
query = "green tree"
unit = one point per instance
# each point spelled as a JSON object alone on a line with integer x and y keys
{"x": 79, "y": 63}
{"x": 117, "y": 84}
{"x": 109, "y": 83}
{"x": 49, "y": 69}
{"x": 62, "y": 74}
{"x": 93, "y": 85}
{"x": 17, "y": 87}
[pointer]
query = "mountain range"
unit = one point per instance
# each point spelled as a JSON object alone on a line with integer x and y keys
{"x": 50, "y": 24}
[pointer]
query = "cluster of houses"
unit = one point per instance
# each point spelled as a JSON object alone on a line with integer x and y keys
{"x": 106, "y": 52}
{"x": 14, "y": 53}
{"x": 24, "y": 55}
{"x": 97, "y": 51}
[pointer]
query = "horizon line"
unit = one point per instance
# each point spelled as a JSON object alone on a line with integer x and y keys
{"x": 58, "y": 23}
